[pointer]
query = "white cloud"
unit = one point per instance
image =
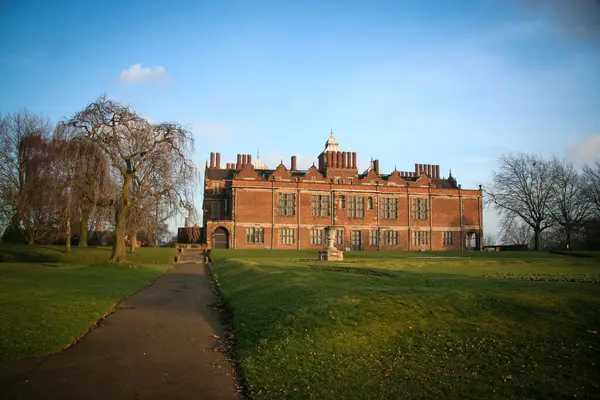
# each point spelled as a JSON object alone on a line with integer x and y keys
{"x": 585, "y": 151}
{"x": 138, "y": 74}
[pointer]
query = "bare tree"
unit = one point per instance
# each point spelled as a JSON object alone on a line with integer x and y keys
{"x": 569, "y": 205}
{"x": 24, "y": 175}
{"x": 515, "y": 232}
{"x": 523, "y": 187}
{"x": 591, "y": 184}
{"x": 135, "y": 148}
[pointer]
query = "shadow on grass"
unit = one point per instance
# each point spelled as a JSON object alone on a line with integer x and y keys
{"x": 340, "y": 327}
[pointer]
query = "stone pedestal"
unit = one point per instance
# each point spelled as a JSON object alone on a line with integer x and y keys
{"x": 330, "y": 253}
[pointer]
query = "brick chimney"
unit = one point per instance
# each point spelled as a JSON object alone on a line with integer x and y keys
{"x": 218, "y": 161}
{"x": 239, "y": 162}
{"x": 354, "y": 160}
{"x": 437, "y": 171}
{"x": 185, "y": 225}
{"x": 344, "y": 159}
{"x": 293, "y": 164}
{"x": 249, "y": 158}
{"x": 376, "y": 166}
{"x": 212, "y": 160}
{"x": 339, "y": 159}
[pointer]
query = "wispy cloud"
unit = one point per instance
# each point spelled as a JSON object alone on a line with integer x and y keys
{"x": 138, "y": 74}
{"x": 585, "y": 151}
{"x": 577, "y": 20}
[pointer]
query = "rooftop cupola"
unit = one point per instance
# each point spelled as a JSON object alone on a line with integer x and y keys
{"x": 332, "y": 144}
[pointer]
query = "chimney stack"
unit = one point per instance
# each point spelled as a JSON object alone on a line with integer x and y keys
{"x": 186, "y": 222}
{"x": 212, "y": 160}
{"x": 293, "y": 165}
{"x": 376, "y": 166}
{"x": 218, "y": 161}
{"x": 244, "y": 159}
{"x": 353, "y": 160}
{"x": 348, "y": 160}
{"x": 344, "y": 158}
{"x": 249, "y": 159}
{"x": 333, "y": 159}
{"x": 437, "y": 171}
{"x": 239, "y": 162}
{"x": 339, "y": 159}
{"x": 416, "y": 168}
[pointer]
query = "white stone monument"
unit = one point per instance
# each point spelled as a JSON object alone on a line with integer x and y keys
{"x": 331, "y": 253}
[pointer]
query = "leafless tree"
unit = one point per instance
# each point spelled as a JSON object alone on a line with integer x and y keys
{"x": 569, "y": 205}
{"x": 516, "y": 232}
{"x": 25, "y": 172}
{"x": 489, "y": 239}
{"x": 523, "y": 187}
{"x": 135, "y": 148}
{"x": 591, "y": 184}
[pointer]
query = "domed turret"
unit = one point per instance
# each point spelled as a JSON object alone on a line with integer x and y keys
{"x": 332, "y": 144}
{"x": 257, "y": 163}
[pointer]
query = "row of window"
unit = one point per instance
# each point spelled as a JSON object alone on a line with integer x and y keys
{"x": 317, "y": 237}
{"x": 354, "y": 204}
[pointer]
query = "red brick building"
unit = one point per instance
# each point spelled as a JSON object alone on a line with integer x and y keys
{"x": 246, "y": 205}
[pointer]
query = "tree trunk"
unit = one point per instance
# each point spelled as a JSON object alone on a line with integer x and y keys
{"x": 119, "y": 250}
{"x": 83, "y": 235}
{"x": 68, "y": 222}
{"x": 68, "y": 234}
{"x": 30, "y": 239}
{"x": 569, "y": 238}
{"x": 538, "y": 238}
{"x": 133, "y": 241}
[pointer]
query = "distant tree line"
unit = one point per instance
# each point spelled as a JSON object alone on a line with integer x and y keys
{"x": 105, "y": 174}
{"x": 546, "y": 203}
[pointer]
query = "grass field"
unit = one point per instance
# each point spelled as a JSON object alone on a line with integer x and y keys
{"x": 414, "y": 325}
{"x": 49, "y": 298}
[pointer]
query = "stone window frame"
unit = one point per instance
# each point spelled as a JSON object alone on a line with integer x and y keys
{"x": 356, "y": 207}
{"x": 320, "y": 205}
{"x": 390, "y": 238}
{"x": 389, "y": 208}
{"x": 339, "y": 236}
{"x": 286, "y": 204}
{"x": 420, "y": 238}
{"x": 255, "y": 235}
{"x": 317, "y": 236}
{"x": 215, "y": 211}
{"x": 373, "y": 237}
{"x": 448, "y": 238}
{"x": 287, "y": 236}
{"x": 419, "y": 208}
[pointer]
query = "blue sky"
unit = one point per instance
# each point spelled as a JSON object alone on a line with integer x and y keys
{"x": 455, "y": 83}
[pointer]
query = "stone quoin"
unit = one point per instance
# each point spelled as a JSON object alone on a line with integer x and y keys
{"x": 249, "y": 205}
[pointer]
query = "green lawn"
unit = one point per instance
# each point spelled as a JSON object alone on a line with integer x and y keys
{"x": 48, "y": 298}
{"x": 414, "y": 325}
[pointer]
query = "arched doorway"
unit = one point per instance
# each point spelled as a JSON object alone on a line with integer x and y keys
{"x": 471, "y": 241}
{"x": 220, "y": 238}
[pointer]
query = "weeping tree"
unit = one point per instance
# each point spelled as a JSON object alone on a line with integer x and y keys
{"x": 135, "y": 148}
{"x": 522, "y": 188}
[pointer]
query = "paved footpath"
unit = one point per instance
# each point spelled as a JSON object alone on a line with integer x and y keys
{"x": 157, "y": 345}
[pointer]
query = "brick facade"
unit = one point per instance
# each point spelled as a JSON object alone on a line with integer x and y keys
{"x": 288, "y": 208}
